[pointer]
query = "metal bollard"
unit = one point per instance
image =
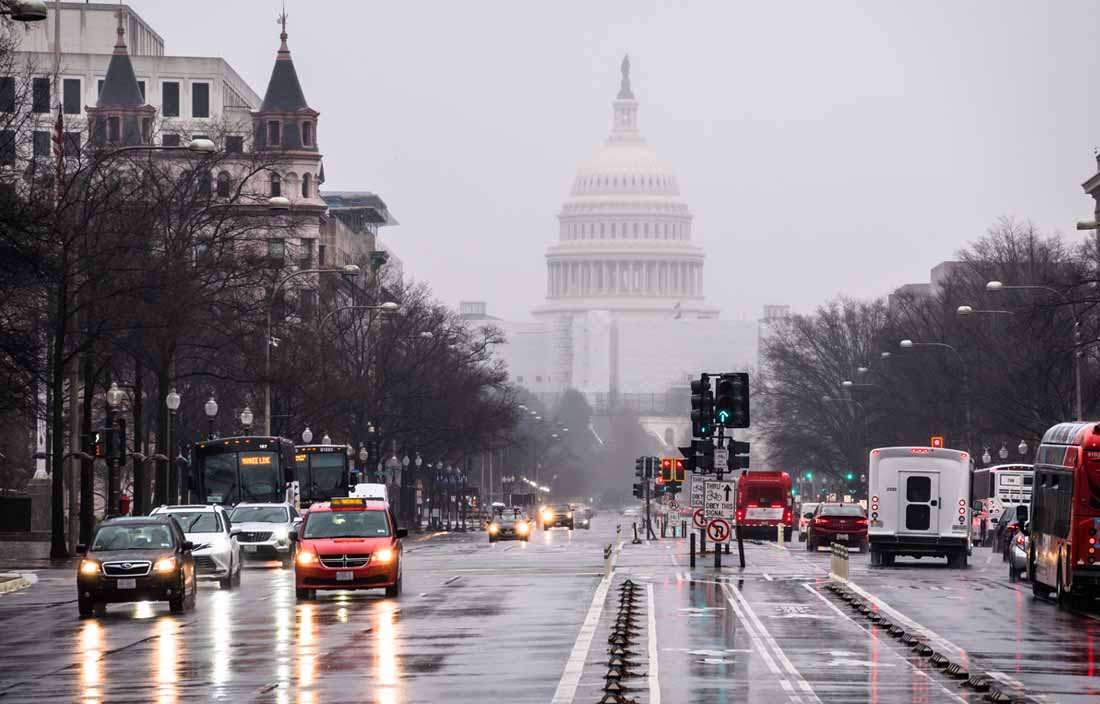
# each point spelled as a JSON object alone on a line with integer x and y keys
{"x": 607, "y": 560}
{"x": 691, "y": 541}
{"x": 779, "y": 534}
{"x": 683, "y": 528}
{"x": 637, "y": 540}
{"x": 838, "y": 562}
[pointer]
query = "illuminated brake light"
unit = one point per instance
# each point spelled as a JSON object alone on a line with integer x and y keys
{"x": 920, "y": 450}
{"x": 963, "y": 455}
{"x": 874, "y": 499}
{"x": 1020, "y": 540}
{"x": 874, "y": 452}
{"x": 1092, "y": 454}
{"x": 962, "y": 502}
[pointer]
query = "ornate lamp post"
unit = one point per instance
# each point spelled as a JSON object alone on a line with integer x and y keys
{"x": 246, "y": 420}
{"x": 1022, "y": 449}
{"x": 307, "y": 435}
{"x": 165, "y": 469}
{"x": 114, "y": 401}
{"x": 1003, "y": 452}
{"x": 211, "y": 409}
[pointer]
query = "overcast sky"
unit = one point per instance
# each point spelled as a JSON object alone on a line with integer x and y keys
{"x": 824, "y": 147}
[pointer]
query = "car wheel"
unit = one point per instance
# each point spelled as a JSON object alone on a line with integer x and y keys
{"x": 176, "y": 604}
{"x": 1064, "y": 598}
{"x": 193, "y": 599}
{"x": 304, "y": 594}
{"x": 1012, "y": 573}
{"x": 395, "y": 590}
{"x": 237, "y": 575}
{"x": 888, "y": 559}
{"x": 86, "y": 607}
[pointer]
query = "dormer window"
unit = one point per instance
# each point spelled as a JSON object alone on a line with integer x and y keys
{"x": 114, "y": 129}
{"x": 274, "y": 133}
{"x": 307, "y": 134}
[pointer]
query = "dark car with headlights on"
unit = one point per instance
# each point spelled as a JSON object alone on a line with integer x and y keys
{"x": 560, "y": 516}
{"x": 509, "y": 526}
{"x": 143, "y": 558}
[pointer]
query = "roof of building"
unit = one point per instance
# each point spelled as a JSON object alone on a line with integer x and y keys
{"x": 284, "y": 91}
{"x": 371, "y": 204}
{"x": 120, "y": 85}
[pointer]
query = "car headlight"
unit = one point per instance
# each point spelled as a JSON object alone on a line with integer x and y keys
{"x": 305, "y": 557}
{"x": 383, "y": 556}
{"x": 89, "y": 567}
{"x": 522, "y": 528}
{"x": 547, "y": 515}
{"x": 167, "y": 564}
{"x": 570, "y": 514}
{"x": 281, "y": 533}
{"x": 494, "y": 528}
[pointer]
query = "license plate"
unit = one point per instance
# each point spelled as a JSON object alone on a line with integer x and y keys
{"x": 126, "y": 584}
{"x": 345, "y": 576}
{"x": 249, "y": 548}
{"x": 841, "y": 536}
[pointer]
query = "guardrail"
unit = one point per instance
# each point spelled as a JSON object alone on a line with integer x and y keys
{"x": 838, "y": 563}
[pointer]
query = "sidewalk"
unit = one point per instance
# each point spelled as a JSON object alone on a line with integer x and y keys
{"x": 21, "y": 555}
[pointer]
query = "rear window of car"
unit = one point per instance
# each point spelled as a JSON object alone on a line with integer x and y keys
{"x": 853, "y": 510}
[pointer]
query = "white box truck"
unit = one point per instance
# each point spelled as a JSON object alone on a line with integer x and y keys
{"x": 919, "y": 504}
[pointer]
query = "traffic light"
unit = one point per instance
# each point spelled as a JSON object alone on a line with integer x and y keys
{"x": 639, "y": 491}
{"x": 849, "y": 476}
{"x": 702, "y": 407}
{"x": 666, "y": 470}
{"x": 937, "y": 441}
{"x": 640, "y": 466}
{"x": 96, "y": 444}
{"x": 731, "y": 404}
{"x": 808, "y": 476}
{"x": 678, "y": 469}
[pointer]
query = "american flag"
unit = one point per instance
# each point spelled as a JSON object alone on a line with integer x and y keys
{"x": 59, "y": 150}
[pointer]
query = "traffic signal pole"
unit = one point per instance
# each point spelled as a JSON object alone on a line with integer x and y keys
{"x": 650, "y": 535}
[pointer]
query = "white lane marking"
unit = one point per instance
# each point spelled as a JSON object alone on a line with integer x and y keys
{"x": 768, "y": 577}
{"x": 448, "y": 581}
{"x": 945, "y": 644}
{"x": 651, "y": 618}
{"x": 735, "y": 596}
{"x": 914, "y": 668}
{"x": 757, "y": 643}
{"x": 571, "y": 676}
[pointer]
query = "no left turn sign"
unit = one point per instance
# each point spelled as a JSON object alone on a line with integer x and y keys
{"x": 718, "y": 530}
{"x": 698, "y": 519}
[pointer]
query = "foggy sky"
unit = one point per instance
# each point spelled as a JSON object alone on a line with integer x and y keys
{"x": 824, "y": 147}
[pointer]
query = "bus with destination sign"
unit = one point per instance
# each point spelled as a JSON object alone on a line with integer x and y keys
{"x": 256, "y": 469}
{"x": 324, "y": 472}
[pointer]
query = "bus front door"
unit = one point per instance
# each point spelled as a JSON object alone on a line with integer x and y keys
{"x": 920, "y": 499}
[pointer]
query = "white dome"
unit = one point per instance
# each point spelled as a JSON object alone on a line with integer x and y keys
{"x": 625, "y": 168}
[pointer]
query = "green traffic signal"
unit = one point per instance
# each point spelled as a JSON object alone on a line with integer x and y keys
{"x": 849, "y": 476}
{"x": 809, "y": 475}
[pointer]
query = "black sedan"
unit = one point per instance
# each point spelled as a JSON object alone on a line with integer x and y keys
{"x": 560, "y": 516}
{"x": 136, "y": 559}
{"x": 509, "y": 527}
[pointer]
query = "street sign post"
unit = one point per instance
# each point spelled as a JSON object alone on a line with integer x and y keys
{"x": 696, "y": 489}
{"x": 721, "y": 459}
{"x": 698, "y": 519}
{"x": 720, "y": 499}
{"x": 718, "y": 530}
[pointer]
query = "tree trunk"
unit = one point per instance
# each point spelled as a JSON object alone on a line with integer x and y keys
{"x": 141, "y": 490}
{"x": 58, "y": 548}
{"x": 87, "y": 468}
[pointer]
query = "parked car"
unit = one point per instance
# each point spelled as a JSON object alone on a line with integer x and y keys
{"x": 216, "y": 551}
{"x": 263, "y": 531}
{"x": 838, "y": 523}
{"x": 144, "y": 558}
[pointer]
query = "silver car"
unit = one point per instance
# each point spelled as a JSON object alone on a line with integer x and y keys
{"x": 217, "y": 553}
{"x": 263, "y": 530}
{"x": 1017, "y": 557}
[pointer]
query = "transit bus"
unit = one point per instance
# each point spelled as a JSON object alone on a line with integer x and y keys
{"x": 324, "y": 472}
{"x": 995, "y": 489}
{"x": 257, "y": 469}
{"x": 1065, "y": 513}
{"x": 764, "y": 502}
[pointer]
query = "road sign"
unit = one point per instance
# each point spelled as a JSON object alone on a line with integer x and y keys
{"x": 696, "y": 490}
{"x": 721, "y": 458}
{"x": 720, "y": 499}
{"x": 718, "y": 530}
{"x": 698, "y": 519}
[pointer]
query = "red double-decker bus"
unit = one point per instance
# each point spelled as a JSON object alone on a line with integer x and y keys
{"x": 1065, "y": 513}
{"x": 764, "y": 501}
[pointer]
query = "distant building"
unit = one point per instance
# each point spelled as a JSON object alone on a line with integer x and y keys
{"x": 939, "y": 275}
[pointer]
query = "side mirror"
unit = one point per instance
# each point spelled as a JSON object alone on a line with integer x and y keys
{"x": 81, "y": 549}
{"x": 1027, "y": 527}
{"x": 296, "y": 521}
{"x": 808, "y": 515}
{"x": 293, "y": 535}
{"x": 234, "y": 532}
{"x": 187, "y": 546}
{"x": 402, "y": 532}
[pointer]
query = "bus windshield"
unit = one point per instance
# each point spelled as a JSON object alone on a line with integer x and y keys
{"x": 327, "y": 476}
{"x": 259, "y": 473}
{"x": 232, "y": 477}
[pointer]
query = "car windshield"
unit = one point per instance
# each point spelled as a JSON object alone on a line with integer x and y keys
{"x": 853, "y": 510}
{"x": 346, "y": 524}
{"x": 197, "y": 522}
{"x": 563, "y": 509}
{"x": 260, "y": 514}
{"x": 140, "y": 537}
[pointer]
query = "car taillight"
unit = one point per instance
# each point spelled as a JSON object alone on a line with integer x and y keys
{"x": 819, "y": 521}
{"x": 861, "y": 521}
{"x": 787, "y": 517}
{"x": 740, "y": 515}
{"x": 1020, "y": 539}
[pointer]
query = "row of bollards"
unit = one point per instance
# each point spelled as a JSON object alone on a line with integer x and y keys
{"x": 620, "y": 654}
{"x": 979, "y": 682}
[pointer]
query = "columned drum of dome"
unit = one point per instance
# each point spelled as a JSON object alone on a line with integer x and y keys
{"x": 624, "y": 235}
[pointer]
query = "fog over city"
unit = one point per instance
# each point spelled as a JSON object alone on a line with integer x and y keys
{"x": 841, "y": 147}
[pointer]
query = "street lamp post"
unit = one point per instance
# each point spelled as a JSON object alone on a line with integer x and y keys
{"x": 348, "y": 270}
{"x": 114, "y": 401}
{"x": 416, "y": 474}
{"x": 211, "y": 409}
{"x": 363, "y": 457}
{"x": 1022, "y": 449}
{"x": 1003, "y": 452}
{"x": 164, "y": 469}
{"x": 1077, "y": 352}
{"x": 307, "y": 435}
{"x": 909, "y": 344}
{"x": 246, "y": 420}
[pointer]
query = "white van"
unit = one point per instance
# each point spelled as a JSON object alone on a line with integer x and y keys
{"x": 919, "y": 504}
{"x": 371, "y": 492}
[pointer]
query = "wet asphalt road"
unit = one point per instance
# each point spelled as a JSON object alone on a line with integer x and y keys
{"x": 515, "y": 622}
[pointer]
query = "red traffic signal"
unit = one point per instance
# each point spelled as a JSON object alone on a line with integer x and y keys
{"x": 937, "y": 441}
{"x": 666, "y": 469}
{"x": 659, "y": 481}
{"x": 678, "y": 471}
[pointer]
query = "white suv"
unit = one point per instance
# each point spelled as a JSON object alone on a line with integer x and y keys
{"x": 217, "y": 554}
{"x": 263, "y": 530}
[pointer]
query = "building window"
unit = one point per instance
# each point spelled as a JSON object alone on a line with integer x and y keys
{"x": 141, "y": 89}
{"x": 200, "y": 100}
{"x": 204, "y": 178}
{"x": 306, "y": 254}
{"x": 7, "y": 94}
{"x": 40, "y": 95}
{"x": 307, "y": 185}
{"x": 42, "y": 143}
{"x": 223, "y": 184}
{"x": 276, "y": 249}
{"x": 170, "y": 99}
{"x": 70, "y": 99}
{"x": 307, "y": 134}
{"x": 170, "y": 140}
{"x": 276, "y": 185}
{"x": 519, "y": 379}
{"x": 320, "y": 255}
{"x": 7, "y": 147}
{"x": 72, "y": 143}
{"x": 114, "y": 129}
{"x": 146, "y": 130}
{"x": 273, "y": 133}
{"x": 234, "y": 144}
{"x": 538, "y": 379}
{"x": 99, "y": 88}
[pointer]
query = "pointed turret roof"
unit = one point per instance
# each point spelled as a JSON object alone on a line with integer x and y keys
{"x": 284, "y": 92}
{"x": 120, "y": 86}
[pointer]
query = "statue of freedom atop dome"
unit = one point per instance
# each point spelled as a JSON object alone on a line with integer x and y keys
{"x": 624, "y": 87}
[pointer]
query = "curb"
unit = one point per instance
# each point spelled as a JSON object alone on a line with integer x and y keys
{"x": 18, "y": 581}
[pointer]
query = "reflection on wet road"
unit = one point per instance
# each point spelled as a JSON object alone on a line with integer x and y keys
{"x": 530, "y": 622}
